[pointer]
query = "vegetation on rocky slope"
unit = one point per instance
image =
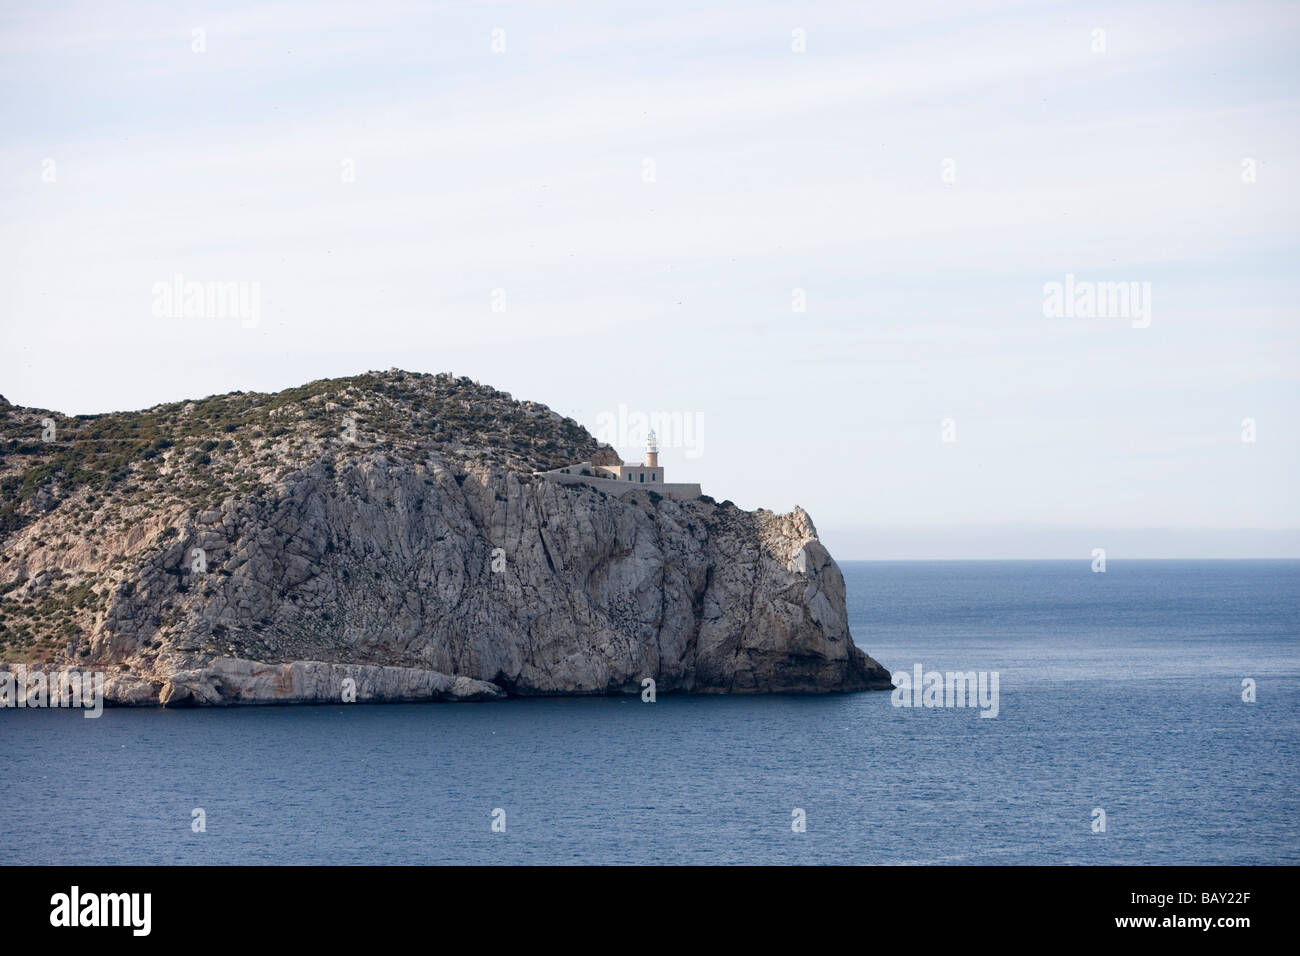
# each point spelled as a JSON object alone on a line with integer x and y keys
{"x": 70, "y": 484}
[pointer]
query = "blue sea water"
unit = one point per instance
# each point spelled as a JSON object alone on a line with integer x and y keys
{"x": 1120, "y": 691}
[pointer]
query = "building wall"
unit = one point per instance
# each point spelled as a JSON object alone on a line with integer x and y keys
{"x": 640, "y": 473}
{"x": 613, "y": 486}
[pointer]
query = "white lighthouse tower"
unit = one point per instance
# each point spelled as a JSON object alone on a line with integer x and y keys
{"x": 651, "y": 450}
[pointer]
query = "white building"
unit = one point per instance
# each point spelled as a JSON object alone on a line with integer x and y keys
{"x": 649, "y": 474}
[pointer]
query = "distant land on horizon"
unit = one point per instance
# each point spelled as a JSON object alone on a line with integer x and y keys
{"x": 1001, "y": 543}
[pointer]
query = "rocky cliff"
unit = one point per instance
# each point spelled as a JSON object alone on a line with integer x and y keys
{"x": 387, "y": 531}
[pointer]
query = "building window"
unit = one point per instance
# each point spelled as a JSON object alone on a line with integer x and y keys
{"x": 642, "y": 476}
{"x": 653, "y": 475}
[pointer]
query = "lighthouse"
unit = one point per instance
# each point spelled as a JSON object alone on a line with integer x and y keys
{"x": 620, "y": 477}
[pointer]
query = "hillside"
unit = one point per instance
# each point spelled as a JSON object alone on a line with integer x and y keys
{"x": 388, "y": 527}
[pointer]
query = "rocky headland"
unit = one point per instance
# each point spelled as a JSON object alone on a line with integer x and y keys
{"x": 389, "y": 532}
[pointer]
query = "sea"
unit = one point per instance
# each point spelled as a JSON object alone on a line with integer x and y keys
{"x": 1148, "y": 714}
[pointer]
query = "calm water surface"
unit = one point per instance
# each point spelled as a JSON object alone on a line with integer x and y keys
{"x": 1119, "y": 691}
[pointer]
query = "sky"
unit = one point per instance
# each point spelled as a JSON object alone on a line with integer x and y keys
{"x": 819, "y": 237}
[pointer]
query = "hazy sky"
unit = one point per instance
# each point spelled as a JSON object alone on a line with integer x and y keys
{"x": 649, "y": 184}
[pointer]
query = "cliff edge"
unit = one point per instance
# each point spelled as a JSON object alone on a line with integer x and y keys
{"x": 389, "y": 531}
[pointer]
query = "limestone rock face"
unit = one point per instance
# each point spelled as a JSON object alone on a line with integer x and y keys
{"x": 440, "y": 575}
{"x": 236, "y": 681}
